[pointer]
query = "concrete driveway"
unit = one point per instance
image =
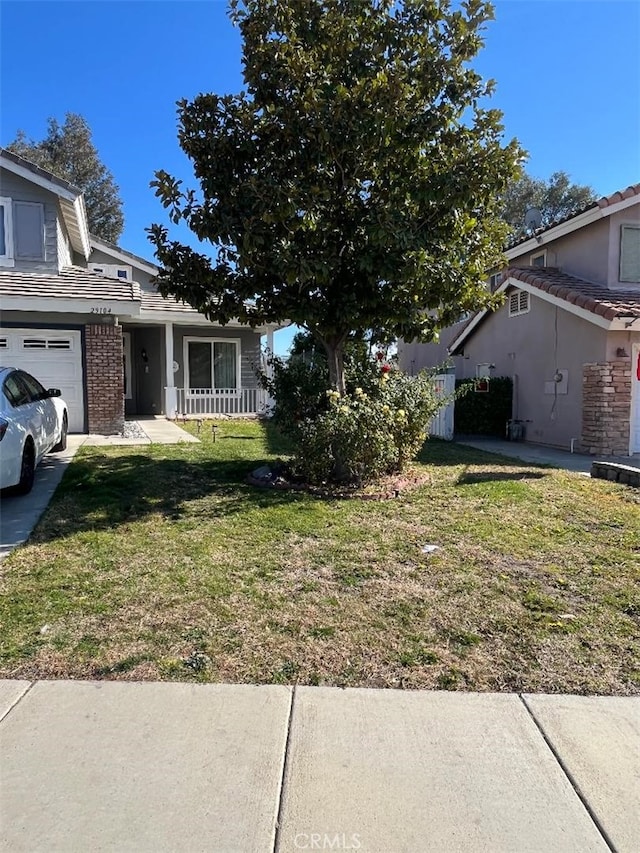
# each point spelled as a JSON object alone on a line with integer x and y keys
{"x": 19, "y": 514}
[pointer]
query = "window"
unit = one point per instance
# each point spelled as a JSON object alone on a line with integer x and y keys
{"x": 630, "y": 253}
{"x": 28, "y": 230}
{"x": 518, "y": 302}
{"x": 46, "y": 343}
{"x": 212, "y": 364}
{"x": 539, "y": 260}
{"x": 15, "y": 390}
{"x": 36, "y": 390}
{"x": 495, "y": 281}
{"x": 113, "y": 271}
{"x": 6, "y": 233}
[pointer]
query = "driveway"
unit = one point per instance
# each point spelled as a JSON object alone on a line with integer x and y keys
{"x": 19, "y": 514}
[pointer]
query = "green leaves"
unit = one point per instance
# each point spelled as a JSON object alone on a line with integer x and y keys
{"x": 356, "y": 183}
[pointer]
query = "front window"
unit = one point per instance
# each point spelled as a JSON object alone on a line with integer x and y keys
{"x": 212, "y": 364}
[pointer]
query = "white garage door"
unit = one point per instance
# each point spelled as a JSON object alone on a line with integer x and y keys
{"x": 54, "y": 357}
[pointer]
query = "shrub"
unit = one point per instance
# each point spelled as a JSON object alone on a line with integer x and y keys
{"x": 373, "y": 430}
{"x": 483, "y": 413}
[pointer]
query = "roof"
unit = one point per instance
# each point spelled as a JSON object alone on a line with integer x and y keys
{"x": 73, "y": 282}
{"x": 123, "y": 255}
{"x": 38, "y": 170}
{"x": 70, "y": 198}
{"x": 600, "y": 204}
{"x": 610, "y": 304}
{"x": 154, "y": 301}
{"x": 580, "y": 294}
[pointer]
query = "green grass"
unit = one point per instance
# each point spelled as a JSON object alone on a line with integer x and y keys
{"x": 161, "y": 562}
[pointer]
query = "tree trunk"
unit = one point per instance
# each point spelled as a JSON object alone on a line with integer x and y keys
{"x": 335, "y": 358}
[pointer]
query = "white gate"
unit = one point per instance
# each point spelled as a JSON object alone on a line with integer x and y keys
{"x": 442, "y": 425}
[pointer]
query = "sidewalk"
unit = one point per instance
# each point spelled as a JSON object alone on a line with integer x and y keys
{"x": 538, "y": 454}
{"x": 153, "y": 767}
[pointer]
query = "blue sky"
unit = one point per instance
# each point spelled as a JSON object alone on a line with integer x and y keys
{"x": 567, "y": 72}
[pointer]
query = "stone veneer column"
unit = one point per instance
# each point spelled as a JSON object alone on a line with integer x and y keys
{"x": 606, "y": 407}
{"x": 105, "y": 378}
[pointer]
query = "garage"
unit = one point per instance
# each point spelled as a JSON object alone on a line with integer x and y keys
{"x": 54, "y": 357}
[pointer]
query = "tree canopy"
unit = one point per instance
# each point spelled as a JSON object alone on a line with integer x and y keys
{"x": 555, "y": 198}
{"x": 355, "y": 184}
{"x": 68, "y": 152}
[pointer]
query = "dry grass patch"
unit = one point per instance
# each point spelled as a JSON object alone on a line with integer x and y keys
{"x": 162, "y": 563}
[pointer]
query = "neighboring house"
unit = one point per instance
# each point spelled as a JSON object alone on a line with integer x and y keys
{"x": 568, "y": 332}
{"x": 83, "y": 315}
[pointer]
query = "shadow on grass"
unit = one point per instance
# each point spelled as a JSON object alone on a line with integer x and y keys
{"x": 102, "y": 492}
{"x": 498, "y": 476}
{"x": 436, "y": 451}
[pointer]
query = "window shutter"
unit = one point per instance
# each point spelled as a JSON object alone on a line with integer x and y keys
{"x": 513, "y": 303}
{"x": 28, "y": 228}
{"x": 523, "y": 304}
{"x": 630, "y": 253}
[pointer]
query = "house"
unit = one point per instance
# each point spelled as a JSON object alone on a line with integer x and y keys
{"x": 568, "y": 332}
{"x": 83, "y": 315}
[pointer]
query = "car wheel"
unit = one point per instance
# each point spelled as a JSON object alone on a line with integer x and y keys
{"x": 64, "y": 429}
{"x": 27, "y": 469}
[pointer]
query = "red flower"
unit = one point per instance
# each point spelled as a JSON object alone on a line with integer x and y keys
{"x": 380, "y": 356}
{"x": 385, "y": 368}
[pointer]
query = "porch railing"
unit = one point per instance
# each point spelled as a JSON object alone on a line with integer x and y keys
{"x": 221, "y": 401}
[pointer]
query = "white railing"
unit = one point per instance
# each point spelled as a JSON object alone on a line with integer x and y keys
{"x": 442, "y": 425}
{"x": 221, "y": 401}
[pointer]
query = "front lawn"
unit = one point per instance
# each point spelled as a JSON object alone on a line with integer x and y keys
{"x": 161, "y": 563}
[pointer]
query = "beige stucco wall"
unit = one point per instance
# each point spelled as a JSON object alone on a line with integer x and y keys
{"x": 584, "y": 253}
{"x": 528, "y": 349}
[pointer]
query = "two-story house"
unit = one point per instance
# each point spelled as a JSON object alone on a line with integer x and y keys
{"x": 568, "y": 332}
{"x": 84, "y": 316}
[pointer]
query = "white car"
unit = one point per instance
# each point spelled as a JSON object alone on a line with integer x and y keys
{"x": 33, "y": 421}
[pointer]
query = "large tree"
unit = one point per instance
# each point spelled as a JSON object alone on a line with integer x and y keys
{"x": 555, "y": 198}
{"x": 68, "y": 152}
{"x": 355, "y": 184}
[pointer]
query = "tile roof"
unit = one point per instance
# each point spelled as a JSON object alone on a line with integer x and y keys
{"x": 70, "y": 283}
{"x": 605, "y": 201}
{"x": 154, "y": 301}
{"x": 610, "y": 304}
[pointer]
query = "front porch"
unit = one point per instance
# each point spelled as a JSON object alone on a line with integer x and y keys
{"x": 233, "y": 402}
{"x": 190, "y": 370}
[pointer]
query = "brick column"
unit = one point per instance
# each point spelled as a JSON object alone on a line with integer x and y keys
{"x": 606, "y": 407}
{"x": 105, "y": 378}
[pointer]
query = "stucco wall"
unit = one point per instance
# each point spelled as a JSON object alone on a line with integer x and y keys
{"x": 528, "y": 349}
{"x": 413, "y": 356}
{"x": 584, "y": 253}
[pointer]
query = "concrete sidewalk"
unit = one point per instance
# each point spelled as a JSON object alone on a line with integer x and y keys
{"x": 116, "y": 766}
{"x": 538, "y": 454}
